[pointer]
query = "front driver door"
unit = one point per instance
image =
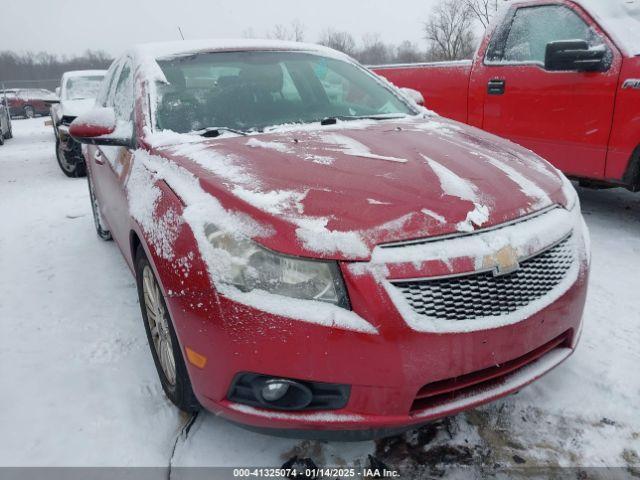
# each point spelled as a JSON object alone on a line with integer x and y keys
{"x": 563, "y": 116}
{"x": 112, "y": 164}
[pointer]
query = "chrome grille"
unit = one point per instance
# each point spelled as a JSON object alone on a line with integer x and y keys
{"x": 482, "y": 294}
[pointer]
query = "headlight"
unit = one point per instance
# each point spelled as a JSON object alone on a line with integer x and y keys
{"x": 248, "y": 266}
{"x": 569, "y": 192}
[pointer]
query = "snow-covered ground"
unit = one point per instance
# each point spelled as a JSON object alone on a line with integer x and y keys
{"x": 78, "y": 385}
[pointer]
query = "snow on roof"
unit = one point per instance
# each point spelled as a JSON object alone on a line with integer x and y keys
{"x": 84, "y": 73}
{"x": 620, "y": 18}
{"x": 184, "y": 47}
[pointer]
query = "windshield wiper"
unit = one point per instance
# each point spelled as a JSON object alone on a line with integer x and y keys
{"x": 213, "y": 132}
{"x": 382, "y": 116}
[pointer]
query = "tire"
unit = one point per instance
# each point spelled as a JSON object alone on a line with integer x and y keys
{"x": 1, "y": 139}
{"x": 9, "y": 134}
{"x": 29, "y": 112}
{"x": 71, "y": 161}
{"x": 162, "y": 338}
{"x": 101, "y": 229}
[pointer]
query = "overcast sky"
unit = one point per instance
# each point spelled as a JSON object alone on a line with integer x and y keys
{"x": 72, "y": 26}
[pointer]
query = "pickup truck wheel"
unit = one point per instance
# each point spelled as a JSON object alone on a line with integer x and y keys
{"x": 29, "y": 112}
{"x": 165, "y": 349}
{"x": 101, "y": 230}
{"x": 70, "y": 160}
{"x": 9, "y": 133}
{"x": 1, "y": 139}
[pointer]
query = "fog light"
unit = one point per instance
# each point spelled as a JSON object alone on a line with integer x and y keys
{"x": 274, "y": 390}
{"x": 280, "y": 393}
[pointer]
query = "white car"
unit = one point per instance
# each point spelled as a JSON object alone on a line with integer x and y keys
{"x": 77, "y": 92}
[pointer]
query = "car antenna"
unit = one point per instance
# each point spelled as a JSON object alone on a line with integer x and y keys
{"x": 180, "y": 30}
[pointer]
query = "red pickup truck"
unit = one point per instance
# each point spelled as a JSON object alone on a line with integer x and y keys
{"x": 559, "y": 77}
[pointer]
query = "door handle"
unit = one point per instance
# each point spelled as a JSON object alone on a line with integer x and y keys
{"x": 98, "y": 157}
{"x": 496, "y": 87}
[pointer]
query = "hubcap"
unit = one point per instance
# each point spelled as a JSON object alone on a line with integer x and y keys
{"x": 158, "y": 324}
{"x": 29, "y": 112}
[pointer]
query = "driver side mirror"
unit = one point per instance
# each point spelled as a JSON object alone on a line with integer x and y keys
{"x": 414, "y": 95}
{"x": 58, "y": 92}
{"x": 100, "y": 127}
{"x": 574, "y": 55}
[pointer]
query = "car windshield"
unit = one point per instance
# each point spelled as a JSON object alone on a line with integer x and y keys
{"x": 78, "y": 88}
{"x": 254, "y": 90}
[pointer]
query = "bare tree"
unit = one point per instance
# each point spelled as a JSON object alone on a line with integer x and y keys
{"x": 43, "y": 70}
{"x": 282, "y": 32}
{"x": 297, "y": 30}
{"x": 374, "y": 51}
{"x": 483, "y": 10}
{"x": 342, "y": 41}
{"x": 279, "y": 32}
{"x": 449, "y": 31}
{"x": 408, "y": 52}
{"x": 249, "y": 33}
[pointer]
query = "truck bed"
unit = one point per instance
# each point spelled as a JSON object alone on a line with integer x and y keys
{"x": 444, "y": 85}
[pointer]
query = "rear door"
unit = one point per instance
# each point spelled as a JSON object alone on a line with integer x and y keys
{"x": 563, "y": 116}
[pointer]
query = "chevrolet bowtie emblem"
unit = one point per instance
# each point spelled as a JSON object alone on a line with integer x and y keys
{"x": 503, "y": 262}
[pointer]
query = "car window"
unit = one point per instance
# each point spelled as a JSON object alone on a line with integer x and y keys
{"x": 122, "y": 97}
{"x": 257, "y": 89}
{"x": 532, "y": 28}
{"x": 107, "y": 84}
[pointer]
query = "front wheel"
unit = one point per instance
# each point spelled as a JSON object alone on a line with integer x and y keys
{"x": 165, "y": 349}
{"x": 29, "y": 112}
{"x": 70, "y": 160}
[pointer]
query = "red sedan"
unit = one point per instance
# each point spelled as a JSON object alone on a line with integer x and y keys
{"x": 314, "y": 252}
{"x": 30, "y": 102}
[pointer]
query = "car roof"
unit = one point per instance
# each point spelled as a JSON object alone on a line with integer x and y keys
{"x": 162, "y": 50}
{"x": 83, "y": 73}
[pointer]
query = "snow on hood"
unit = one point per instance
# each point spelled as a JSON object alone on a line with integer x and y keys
{"x": 338, "y": 192}
{"x": 75, "y": 108}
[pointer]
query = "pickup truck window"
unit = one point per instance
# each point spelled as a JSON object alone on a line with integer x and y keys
{"x": 532, "y": 28}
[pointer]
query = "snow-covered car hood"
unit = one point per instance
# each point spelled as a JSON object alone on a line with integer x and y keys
{"x": 75, "y": 108}
{"x": 338, "y": 191}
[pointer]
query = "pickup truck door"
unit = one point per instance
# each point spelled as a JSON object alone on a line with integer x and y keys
{"x": 565, "y": 117}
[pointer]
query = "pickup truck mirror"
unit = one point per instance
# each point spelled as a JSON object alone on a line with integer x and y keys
{"x": 58, "y": 92}
{"x": 413, "y": 95}
{"x": 100, "y": 127}
{"x": 574, "y": 55}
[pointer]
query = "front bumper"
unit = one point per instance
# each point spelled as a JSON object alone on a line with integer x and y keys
{"x": 389, "y": 371}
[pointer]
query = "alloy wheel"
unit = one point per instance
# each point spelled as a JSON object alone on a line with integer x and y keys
{"x": 158, "y": 320}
